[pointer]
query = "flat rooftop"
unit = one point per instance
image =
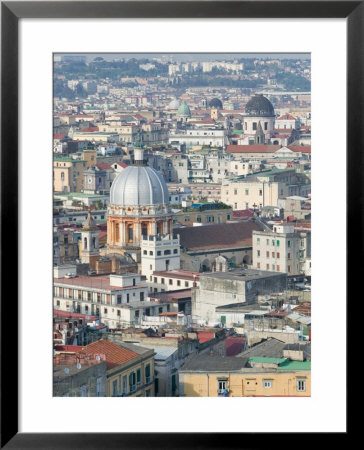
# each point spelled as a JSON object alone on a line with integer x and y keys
{"x": 241, "y": 275}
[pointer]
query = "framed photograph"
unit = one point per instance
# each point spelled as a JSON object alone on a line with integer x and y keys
{"x": 36, "y": 34}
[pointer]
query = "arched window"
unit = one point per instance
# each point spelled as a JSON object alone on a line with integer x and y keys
{"x": 93, "y": 242}
{"x": 117, "y": 232}
{"x": 85, "y": 243}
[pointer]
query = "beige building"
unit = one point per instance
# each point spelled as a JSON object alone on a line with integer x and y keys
{"x": 227, "y": 377}
{"x": 130, "y": 370}
{"x": 264, "y": 189}
{"x": 68, "y": 172}
{"x": 281, "y": 250}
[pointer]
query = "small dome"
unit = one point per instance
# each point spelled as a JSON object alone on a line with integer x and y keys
{"x": 139, "y": 185}
{"x": 184, "y": 110}
{"x": 259, "y": 106}
{"x": 215, "y": 103}
{"x": 174, "y": 104}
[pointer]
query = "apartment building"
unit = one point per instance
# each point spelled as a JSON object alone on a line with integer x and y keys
{"x": 281, "y": 250}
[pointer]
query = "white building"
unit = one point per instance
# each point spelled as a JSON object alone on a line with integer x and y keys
{"x": 159, "y": 252}
{"x": 212, "y": 137}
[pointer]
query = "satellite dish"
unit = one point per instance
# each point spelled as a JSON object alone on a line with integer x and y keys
{"x": 66, "y": 371}
{"x": 78, "y": 366}
{"x": 54, "y": 352}
{"x": 98, "y": 358}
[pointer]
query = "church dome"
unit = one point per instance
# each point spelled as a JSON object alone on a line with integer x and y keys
{"x": 259, "y": 106}
{"x": 184, "y": 110}
{"x": 215, "y": 103}
{"x": 139, "y": 185}
{"x": 174, "y": 104}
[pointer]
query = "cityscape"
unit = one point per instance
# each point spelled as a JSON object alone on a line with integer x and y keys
{"x": 181, "y": 225}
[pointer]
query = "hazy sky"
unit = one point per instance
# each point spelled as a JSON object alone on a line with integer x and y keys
{"x": 196, "y": 56}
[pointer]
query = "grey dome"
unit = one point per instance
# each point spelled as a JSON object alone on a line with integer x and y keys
{"x": 259, "y": 106}
{"x": 174, "y": 104}
{"x": 138, "y": 185}
{"x": 215, "y": 103}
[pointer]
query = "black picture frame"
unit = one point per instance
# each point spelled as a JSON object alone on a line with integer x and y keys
{"x": 11, "y": 12}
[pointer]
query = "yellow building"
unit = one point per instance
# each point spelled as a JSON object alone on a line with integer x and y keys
{"x": 213, "y": 376}
{"x": 130, "y": 368}
{"x": 68, "y": 171}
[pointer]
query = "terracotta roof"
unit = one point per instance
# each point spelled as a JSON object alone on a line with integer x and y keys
{"x": 284, "y": 130}
{"x": 103, "y": 166}
{"x": 243, "y": 213}
{"x": 89, "y": 129}
{"x": 121, "y": 164}
{"x": 65, "y": 314}
{"x": 183, "y": 274}
{"x": 92, "y": 283}
{"x": 287, "y": 117}
{"x": 300, "y": 148}
{"x": 59, "y": 136}
{"x": 225, "y": 235}
{"x": 115, "y": 354}
{"x": 68, "y": 348}
{"x": 256, "y": 148}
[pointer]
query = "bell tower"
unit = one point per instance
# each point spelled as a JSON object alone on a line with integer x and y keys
{"x": 89, "y": 241}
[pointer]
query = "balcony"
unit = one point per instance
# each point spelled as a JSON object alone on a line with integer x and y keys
{"x": 223, "y": 392}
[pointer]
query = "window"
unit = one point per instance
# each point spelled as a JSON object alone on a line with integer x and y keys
{"x": 273, "y": 255}
{"x": 142, "y": 296}
{"x": 138, "y": 377}
{"x": 105, "y": 310}
{"x": 162, "y": 280}
{"x": 155, "y": 279}
{"x": 267, "y": 266}
{"x": 277, "y": 243}
{"x": 258, "y": 265}
{"x": 118, "y": 313}
{"x": 125, "y": 388}
{"x": 289, "y": 256}
{"x": 301, "y": 385}
{"x": 222, "y": 385}
{"x": 258, "y": 253}
{"x": 260, "y": 192}
{"x": 186, "y": 283}
{"x": 132, "y": 381}
{"x": 159, "y": 253}
{"x": 83, "y": 390}
{"x": 288, "y": 243}
{"x": 278, "y": 255}
{"x": 118, "y": 299}
{"x": 147, "y": 374}
{"x": 235, "y": 192}
{"x": 246, "y": 191}
{"x": 178, "y": 282}
{"x": 267, "y": 254}
{"x": 151, "y": 253}
{"x": 289, "y": 269}
{"x": 175, "y": 251}
{"x": 267, "y": 384}
{"x": 254, "y": 125}
{"x": 127, "y": 298}
{"x": 278, "y": 268}
{"x": 145, "y": 252}
{"x": 258, "y": 241}
{"x": 170, "y": 281}
{"x": 265, "y": 125}
{"x": 273, "y": 243}
{"x": 115, "y": 388}
{"x": 98, "y": 387}
{"x": 167, "y": 252}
